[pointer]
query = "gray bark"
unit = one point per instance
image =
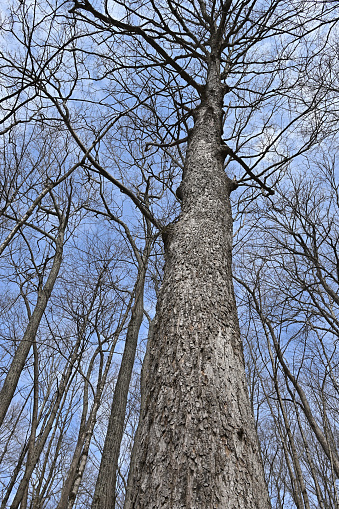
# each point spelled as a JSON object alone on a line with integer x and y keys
{"x": 196, "y": 444}
{"x": 80, "y": 467}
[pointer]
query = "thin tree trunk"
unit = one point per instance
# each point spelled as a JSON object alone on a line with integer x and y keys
{"x": 18, "y": 362}
{"x": 86, "y": 426}
{"x": 47, "y": 470}
{"x": 280, "y": 429}
{"x": 74, "y": 488}
{"x": 14, "y": 476}
{"x": 105, "y": 493}
{"x": 76, "y": 470}
{"x": 34, "y": 419}
{"x": 196, "y": 444}
{"x": 309, "y": 458}
{"x": 322, "y": 439}
{"x": 53, "y": 417}
{"x": 298, "y": 483}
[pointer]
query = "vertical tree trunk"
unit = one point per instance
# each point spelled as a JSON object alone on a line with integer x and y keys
{"x": 196, "y": 443}
{"x": 298, "y": 483}
{"x": 34, "y": 426}
{"x": 105, "y": 494}
{"x": 53, "y": 418}
{"x": 74, "y": 488}
{"x": 320, "y": 497}
{"x": 18, "y": 362}
{"x": 75, "y": 473}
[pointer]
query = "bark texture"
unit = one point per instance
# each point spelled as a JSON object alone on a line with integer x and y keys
{"x": 196, "y": 444}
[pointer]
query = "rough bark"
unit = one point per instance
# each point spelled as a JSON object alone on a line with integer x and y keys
{"x": 196, "y": 444}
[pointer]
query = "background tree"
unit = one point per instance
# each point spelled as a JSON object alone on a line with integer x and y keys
{"x": 292, "y": 283}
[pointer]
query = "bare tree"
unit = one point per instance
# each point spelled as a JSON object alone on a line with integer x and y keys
{"x": 151, "y": 97}
{"x": 44, "y": 293}
{"x": 188, "y": 411}
{"x": 289, "y": 272}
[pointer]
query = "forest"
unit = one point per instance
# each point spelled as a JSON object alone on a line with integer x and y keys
{"x": 169, "y": 254}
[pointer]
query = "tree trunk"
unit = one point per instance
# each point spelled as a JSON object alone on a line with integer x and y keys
{"x": 34, "y": 426}
{"x": 53, "y": 419}
{"x": 21, "y": 354}
{"x": 196, "y": 443}
{"x": 105, "y": 494}
{"x": 76, "y": 470}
